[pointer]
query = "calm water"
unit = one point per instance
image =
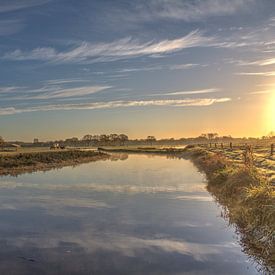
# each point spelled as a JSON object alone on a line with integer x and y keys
{"x": 137, "y": 215}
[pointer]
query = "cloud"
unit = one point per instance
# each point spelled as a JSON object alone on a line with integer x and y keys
{"x": 194, "y": 10}
{"x": 14, "y": 5}
{"x": 117, "y": 104}
{"x": 184, "y": 66}
{"x": 195, "y": 198}
{"x": 262, "y": 92}
{"x": 63, "y": 81}
{"x": 10, "y": 26}
{"x": 71, "y": 92}
{"x": 193, "y": 92}
{"x": 118, "y": 49}
{"x": 51, "y": 91}
{"x": 271, "y": 73}
{"x": 264, "y": 62}
{"x": 4, "y": 90}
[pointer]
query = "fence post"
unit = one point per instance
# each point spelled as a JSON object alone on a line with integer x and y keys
{"x": 231, "y": 146}
{"x": 215, "y": 145}
{"x": 272, "y": 149}
{"x": 222, "y": 145}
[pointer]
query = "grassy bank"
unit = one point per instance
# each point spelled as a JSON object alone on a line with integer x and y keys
{"x": 246, "y": 195}
{"x": 15, "y": 164}
{"x": 142, "y": 150}
{"x": 248, "y": 199}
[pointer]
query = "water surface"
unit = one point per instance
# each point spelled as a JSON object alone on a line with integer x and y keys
{"x": 139, "y": 214}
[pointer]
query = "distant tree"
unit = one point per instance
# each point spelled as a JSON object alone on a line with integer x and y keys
{"x": 95, "y": 139}
{"x": 211, "y": 136}
{"x": 122, "y": 139}
{"x": 104, "y": 139}
{"x": 202, "y": 138}
{"x": 88, "y": 139}
{"x": 114, "y": 139}
{"x": 72, "y": 141}
{"x": 2, "y": 142}
{"x": 151, "y": 139}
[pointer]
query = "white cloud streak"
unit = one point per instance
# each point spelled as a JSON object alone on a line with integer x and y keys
{"x": 50, "y": 91}
{"x": 5, "y": 90}
{"x": 117, "y": 104}
{"x": 119, "y": 49}
{"x": 271, "y": 73}
{"x": 195, "y": 10}
{"x": 71, "y": 92}
{"x": 184, "y": 66}
{"x": 64, "y": 81}
{"x": 262, "y": 92}
{"x": 192, "y": 92}
{"x": 10, "y": 26}
{"x": 14, "y": 5}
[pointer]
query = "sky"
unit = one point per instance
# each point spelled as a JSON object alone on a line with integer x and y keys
{"x": 169, "y": 68}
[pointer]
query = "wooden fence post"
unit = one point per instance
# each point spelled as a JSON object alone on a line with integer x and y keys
{"x": 222, "y": 145}
{"x": 272, "y": 149}
{"x": 231, "y": 145}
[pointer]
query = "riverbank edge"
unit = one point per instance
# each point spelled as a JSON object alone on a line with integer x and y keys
{"x": 247, "y": 198}
{"x": 16, "y": 164}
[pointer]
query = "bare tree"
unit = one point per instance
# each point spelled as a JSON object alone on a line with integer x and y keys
{"x": 88, "y": 139}
{"x": 151, "y": 139}
{"x": 211, "y": 136}
{"x": 122, "y": 139}
{"x": 114, "y": 139}
{"x": 2, "y": 142}
{"x": 104, "y": 139}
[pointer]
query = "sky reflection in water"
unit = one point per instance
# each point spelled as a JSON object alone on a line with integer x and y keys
{"x": 143, "y": 215}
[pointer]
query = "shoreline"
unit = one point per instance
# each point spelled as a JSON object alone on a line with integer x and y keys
{"x": 248, "y": 201}
{"x": 245, "y": 194}
{"x": 16, "y": 164}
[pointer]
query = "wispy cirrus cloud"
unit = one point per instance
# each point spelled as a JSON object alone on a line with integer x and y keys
{"x": 64, "y": 81}
{"x": 185, "y": 66}
{"x": 111, "y": 51}
{"x": 116, "y": 104}
{"x": 270, "y": 73}
{"x": 71, "y": 92}
{"x": 10, "y": 26}
{"x": 262, "y": 92}
{"x": 260, "y": 62}
{"x": 195, "y": 10}
{"x": 8, "y": 89}
{"x": 50, "y": 91}
{"x": 14, "y": 5}
{"x": 263, "y": 62}
{"x": 192, "y": 92}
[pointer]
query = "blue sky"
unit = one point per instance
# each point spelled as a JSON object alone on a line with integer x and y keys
{"x": 156, "y": 67}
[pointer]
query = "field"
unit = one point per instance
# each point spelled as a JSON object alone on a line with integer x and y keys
{"x": 29, "y": 161}
{"x": 262, "y": 159}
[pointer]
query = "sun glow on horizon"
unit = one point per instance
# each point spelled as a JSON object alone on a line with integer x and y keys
{"x": 270, "y": 113}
